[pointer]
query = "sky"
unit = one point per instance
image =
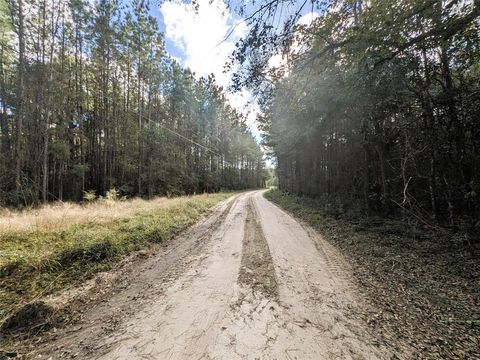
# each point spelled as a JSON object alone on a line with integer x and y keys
{"x": 198, "y": 40}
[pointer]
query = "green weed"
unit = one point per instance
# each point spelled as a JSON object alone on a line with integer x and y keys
{"x": 43, "y": 261}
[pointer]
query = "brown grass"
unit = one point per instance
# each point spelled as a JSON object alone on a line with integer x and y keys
{"x": 59, "y": 215}
{"x": 59, "y": 245}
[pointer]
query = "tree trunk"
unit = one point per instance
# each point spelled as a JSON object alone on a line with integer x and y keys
{"x": 3, "y": 113}
{"x": 20, "y": 96}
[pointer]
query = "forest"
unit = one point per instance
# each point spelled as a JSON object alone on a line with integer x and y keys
{"x": 125, "y": 230}
{"x": 90, "y": 101}
{"x": 375, "y": 105}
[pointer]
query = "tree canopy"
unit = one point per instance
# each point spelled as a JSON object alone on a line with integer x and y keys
{"x": 375, "y": 105}
{"x": 89, "y": 100}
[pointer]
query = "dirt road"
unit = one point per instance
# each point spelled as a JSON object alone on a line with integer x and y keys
{"x": 247, "y": 282}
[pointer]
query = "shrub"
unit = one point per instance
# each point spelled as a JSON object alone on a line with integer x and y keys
{"x": 89, "y": 196}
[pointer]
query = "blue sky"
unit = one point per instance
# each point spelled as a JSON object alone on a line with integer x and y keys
{"x": 170, "y": 45}
{"x": 197, "y": 40}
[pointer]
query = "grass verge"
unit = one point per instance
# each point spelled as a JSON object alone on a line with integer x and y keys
{"x": 50, "y": 258}
{"x": 422, "y": 287}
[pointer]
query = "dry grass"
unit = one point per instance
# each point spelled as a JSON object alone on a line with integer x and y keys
{"x": 51, "y": 248}
{"x": 63, "y": 214}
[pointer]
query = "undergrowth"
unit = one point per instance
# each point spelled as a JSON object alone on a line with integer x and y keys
{"x": 422, "y": 284}
{"x": 37, "y": 262}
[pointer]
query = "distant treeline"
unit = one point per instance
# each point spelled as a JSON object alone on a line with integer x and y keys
{"x": 378, "y": 106}
{"x": 90, "y": 101}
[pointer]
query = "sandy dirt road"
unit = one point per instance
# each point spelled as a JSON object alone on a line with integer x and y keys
{"x": 247, "y": 282}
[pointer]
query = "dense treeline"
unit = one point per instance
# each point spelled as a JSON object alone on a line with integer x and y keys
{"x": 377, "y": 106}
{"x": 90, "y": 101}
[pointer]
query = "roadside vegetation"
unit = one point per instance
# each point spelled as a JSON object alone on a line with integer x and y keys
{"x": 84, "y": 106}
{"x": 370, "y": 110}
{"x": 421, "y": 284}
{"x": 272, "y": 180}
{"x": 374, "y": 103}
{"x": 61, "y": 245}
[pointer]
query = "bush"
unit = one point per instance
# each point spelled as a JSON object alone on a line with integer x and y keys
{"x": 114, "y": 195}
{"x": 89, "y": 196}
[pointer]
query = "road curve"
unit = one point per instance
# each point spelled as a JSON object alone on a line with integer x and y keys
{"x": 249, "y": 282}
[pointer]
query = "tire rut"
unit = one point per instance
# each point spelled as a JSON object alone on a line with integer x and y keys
{"x": 131, "y": 289}
{"x": 256, "y": 269}
{"x": 248, "y": 282}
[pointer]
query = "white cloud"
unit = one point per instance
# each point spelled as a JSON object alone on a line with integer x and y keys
{"x": 299, "y": 45}
{"x": 307, "y": 19}
{"x": 239, "y": 99}
{"x": 277, "y": 61}
{"x": 301, "y": 42}
{"x": 251, "y": 122}
{"x": 200, "y": 35}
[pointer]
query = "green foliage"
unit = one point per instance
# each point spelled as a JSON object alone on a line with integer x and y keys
{"x": 272, "y": 180}
{"x": 89, "y": 196}
{"x": 375, "y": 113}
{"x": 5, "y": 25}
{"x": 113, "y": 195}
{"x": 50, "y": 260}
{"x": 102, "y": 106}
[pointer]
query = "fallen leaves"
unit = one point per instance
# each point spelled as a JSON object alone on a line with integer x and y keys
{"x": 422, "y": 291}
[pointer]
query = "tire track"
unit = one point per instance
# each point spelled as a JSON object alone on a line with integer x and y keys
{"x": 248, "y": 282}
{"x": 256, "y": 269}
